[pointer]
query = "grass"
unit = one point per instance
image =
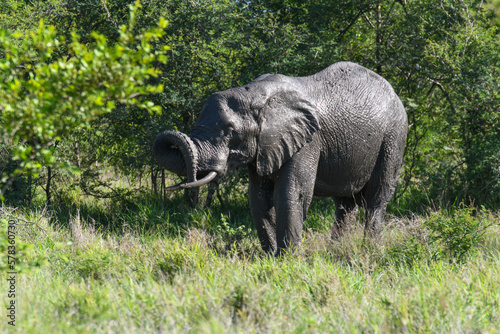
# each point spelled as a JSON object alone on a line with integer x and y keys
{"x": 150, "y": 268}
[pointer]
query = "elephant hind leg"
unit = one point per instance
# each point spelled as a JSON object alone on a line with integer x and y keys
{"x": 374, "y": 217}
{"x": 345, "y": 215}
{"x": 375, "y": 200}
{"x": 379, "y": 190}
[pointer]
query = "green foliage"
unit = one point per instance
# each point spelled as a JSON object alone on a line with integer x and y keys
{"x": 14, "y": 14}
{"x": 15, "y": 253}
{"x": 231, "y": 235}
{"x": 44, "y": 99}
{"x": 446, "y": 73}
{"x": 473, "y": 80}
{"x": 459, "y": 232}
{"x": 440, "y": 56}
{"x": 455, "y": 235}
{"x": 409, "y": 252}
{"x": 493, "y": 10}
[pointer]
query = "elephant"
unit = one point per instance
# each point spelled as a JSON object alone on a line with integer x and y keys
{"x": 339, "y": 133}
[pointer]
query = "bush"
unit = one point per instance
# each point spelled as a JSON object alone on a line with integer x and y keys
{"x": 458, "y": 231}
{"x": 409, "y": 252}
{"x": 14, "y": 252}
{"x": 41, "y": 100}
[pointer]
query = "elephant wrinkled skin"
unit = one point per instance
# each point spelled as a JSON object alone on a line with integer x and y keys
{"x": 339, "y": 133}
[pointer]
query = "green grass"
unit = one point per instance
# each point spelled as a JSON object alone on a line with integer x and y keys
{"x": 148, "y": 268}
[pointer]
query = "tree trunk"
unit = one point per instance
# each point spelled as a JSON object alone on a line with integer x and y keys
{"x": 47, "y": 186}
{"x": 162, "y": 186}
{"x": 378, "y": 39}
{"x": 153, "y": 181}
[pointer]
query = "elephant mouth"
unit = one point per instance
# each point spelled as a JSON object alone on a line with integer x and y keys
{"x": 176, "y": 152}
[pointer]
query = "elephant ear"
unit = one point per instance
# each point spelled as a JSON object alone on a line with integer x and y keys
{"x": 288, "y": 121}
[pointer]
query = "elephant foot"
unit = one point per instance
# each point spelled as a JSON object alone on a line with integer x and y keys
{"x": 285, "y": 251}
{"x": 373, "y": 231}
{"x": 373, "y": 222}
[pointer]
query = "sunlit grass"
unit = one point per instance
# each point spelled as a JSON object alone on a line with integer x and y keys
{"x": 155, "y": 268}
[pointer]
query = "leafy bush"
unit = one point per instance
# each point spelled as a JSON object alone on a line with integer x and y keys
{"x": 445, "y": 234}
{"x": 44, "y": 98}
{"x": 14, "y": 253}
{"x": 459, "y": 231}
{"x": 409, "y": 252}
{"x": 231, "y": 234}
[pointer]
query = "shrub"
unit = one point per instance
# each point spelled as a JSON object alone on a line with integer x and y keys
{"x": 409, "y": 251}
{"x": 458, "y": 231}
{"x": 14, "y": 252}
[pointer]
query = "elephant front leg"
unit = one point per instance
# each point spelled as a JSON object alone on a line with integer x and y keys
{"x": 261, "y": 191}
{"x": 293, "y": 192}
{"x": 291, "y": 211}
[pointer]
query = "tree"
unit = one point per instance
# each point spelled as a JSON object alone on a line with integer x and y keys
{"x": 440, "y": 56}
{"x": 44, "y": 98}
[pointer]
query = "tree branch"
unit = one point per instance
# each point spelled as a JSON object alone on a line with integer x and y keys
{"x": 445, "y": 93}
{"x": 109, "y": 14}
{"x": 351, "y": 24}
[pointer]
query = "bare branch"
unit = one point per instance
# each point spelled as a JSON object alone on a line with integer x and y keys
{"x": 109, "y": 14}
{"x": 445, "y": 93}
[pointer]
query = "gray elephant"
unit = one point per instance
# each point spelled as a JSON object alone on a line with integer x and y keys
{"x": 339, "y": 133}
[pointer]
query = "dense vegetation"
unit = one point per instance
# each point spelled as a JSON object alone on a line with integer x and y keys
{"x": 441, "y": 57}
{"x": 85, "y": 86}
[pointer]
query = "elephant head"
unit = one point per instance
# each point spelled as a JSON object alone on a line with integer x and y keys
{"x": 262, "y": 123}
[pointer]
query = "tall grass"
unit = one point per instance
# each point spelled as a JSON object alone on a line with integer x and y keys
{"x": 165, "y": 268}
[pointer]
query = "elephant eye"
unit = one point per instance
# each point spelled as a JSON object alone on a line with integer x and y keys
{"x": 234, "y": 136}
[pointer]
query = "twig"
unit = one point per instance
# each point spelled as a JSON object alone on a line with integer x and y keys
{"x": 27, "y": 222}
{"x": 367, "y": 19}
{"x": 109, "y": 14}
{"x": 445, "y": 93}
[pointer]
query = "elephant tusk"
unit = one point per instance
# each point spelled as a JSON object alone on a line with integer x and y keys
{"x": 198, "y": 183}
{"x": 176, "y": 186}
{"x": 195, "y": 184}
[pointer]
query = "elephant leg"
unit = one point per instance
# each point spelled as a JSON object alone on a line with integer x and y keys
{"x": 293, "y": 192}
{"x": 261, "y": 191}
{"x": 345, "y": 214}
{"x": 375, "y": 199}
{"x": 379, "y": 190}
{"x": 374, "y": 217}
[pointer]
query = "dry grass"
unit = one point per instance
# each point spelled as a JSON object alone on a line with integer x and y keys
{"x": 217, "y": 280}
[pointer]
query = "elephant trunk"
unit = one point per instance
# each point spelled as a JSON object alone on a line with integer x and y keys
{"x": 176, "y": 152}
